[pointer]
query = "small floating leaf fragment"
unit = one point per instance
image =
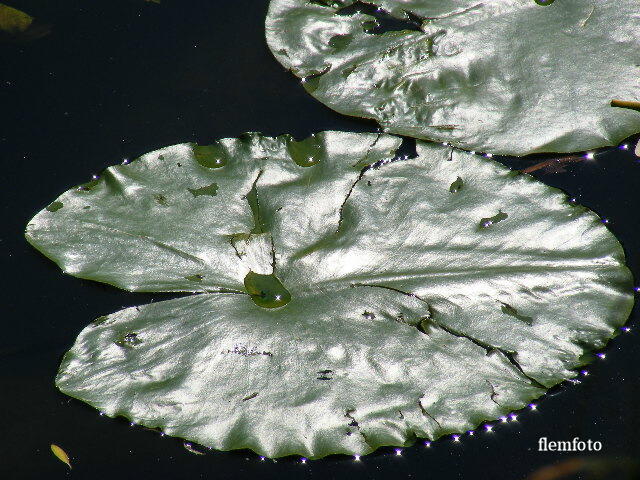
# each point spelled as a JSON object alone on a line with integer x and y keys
{"x": 61, "y": 455}
{"x": 13, "y": 21}
{"x": 17, "y": 26}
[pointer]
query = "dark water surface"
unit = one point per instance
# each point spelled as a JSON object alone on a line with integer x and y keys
{"x": 115, "y": 79}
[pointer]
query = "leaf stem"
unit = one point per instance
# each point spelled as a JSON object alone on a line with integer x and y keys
{"x": 626, "y": 104}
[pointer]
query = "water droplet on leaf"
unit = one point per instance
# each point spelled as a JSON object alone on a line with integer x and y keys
{"x": 266, "y": 290}
{"x": 489, "y": 221}
{"x": 195, "y": 278}
{"x": 456, "y": 186}
{"x": 210, "y": 156}
{"x": 306, "y": 153}
{"x": 55, "y": 206}
{"x": 209, "y": 190}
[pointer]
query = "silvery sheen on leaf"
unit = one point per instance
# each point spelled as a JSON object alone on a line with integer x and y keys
{"x": 334, "y": 307}
{"x": 509, "y": 77}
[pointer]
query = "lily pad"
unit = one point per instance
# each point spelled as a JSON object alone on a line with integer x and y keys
{"x": 337, "y": 307}
{"x": 511, "y": 77}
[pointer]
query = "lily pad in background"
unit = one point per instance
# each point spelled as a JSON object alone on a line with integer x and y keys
{"x": 335, "y": 308}
{"x": 512, "y": 77}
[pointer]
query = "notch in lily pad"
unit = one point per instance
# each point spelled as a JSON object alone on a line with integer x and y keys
{"x": 266, "y": 290}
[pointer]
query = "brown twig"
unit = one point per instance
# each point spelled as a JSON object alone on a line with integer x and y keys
{"x": 626, "y": 104}
{"x": 554, "y": 162}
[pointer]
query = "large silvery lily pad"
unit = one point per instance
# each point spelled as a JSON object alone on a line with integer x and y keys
{"x": 503, "y": 76}
{"x": 335, "y": 308}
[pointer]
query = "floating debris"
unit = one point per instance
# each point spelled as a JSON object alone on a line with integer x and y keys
{"x": 61, "y": 455}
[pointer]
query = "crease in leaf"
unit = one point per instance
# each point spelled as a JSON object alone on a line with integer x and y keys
{"x": 336, "y": 308}
{"x": 509, "y": 310}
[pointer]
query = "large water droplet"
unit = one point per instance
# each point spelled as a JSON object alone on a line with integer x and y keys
{"x": 209, "y": 190}
{"x": 55, "y": 206}
{"x": 210, "y": 156}
{"x": 305, "y": 153}
{"x": 266, "y": 290}
{"x": 338, "y": 42}
{"x": 86, "y": 187}
{"x": 195, "y": 278}
{"x": 488, "y": 221}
